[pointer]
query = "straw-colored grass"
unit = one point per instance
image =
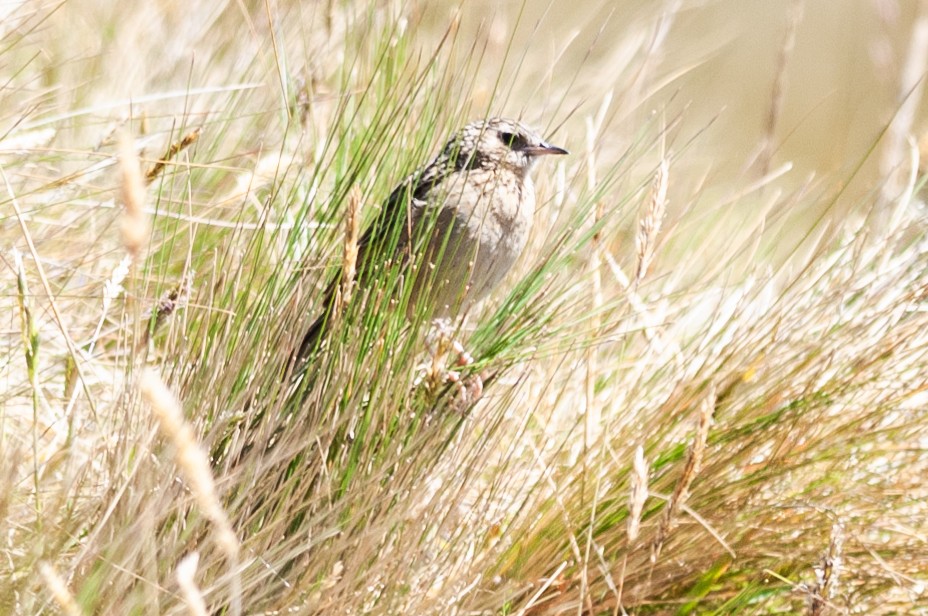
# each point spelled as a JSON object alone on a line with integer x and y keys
{"x": 702, "y": 390}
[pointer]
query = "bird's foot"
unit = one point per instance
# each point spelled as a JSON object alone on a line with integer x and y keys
{"x": 437, "y": 373}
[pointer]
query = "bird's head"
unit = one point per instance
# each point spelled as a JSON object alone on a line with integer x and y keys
{"x": 498, "y": 143}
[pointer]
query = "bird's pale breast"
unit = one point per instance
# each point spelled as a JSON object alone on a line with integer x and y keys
{"x": 489, "y": 214}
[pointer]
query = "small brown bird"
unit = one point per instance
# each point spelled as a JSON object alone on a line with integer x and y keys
{"x": 468, "y": 213}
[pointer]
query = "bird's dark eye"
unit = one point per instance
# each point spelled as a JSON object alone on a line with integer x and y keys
{"x": 509, "y": 139}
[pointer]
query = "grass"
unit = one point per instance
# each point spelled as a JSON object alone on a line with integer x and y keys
{"x": 702, "y": 387}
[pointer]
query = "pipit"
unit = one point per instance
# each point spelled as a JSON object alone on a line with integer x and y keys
{"x": 458, "y": 224}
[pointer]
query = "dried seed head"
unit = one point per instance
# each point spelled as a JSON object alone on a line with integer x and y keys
{"x": 193, "y": 596}
{"x": 189, "y": 456}
{"x": 134, "y": 223}
{"x": 649, "y": 225}
{"x": 639, "y": 494}
{"x": 173, "y": 150}
{"x": 690, "y": 470}
{"x": 59, "y": 590}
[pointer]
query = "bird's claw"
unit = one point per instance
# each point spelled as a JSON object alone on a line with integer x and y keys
{"x": 437, "y": 373}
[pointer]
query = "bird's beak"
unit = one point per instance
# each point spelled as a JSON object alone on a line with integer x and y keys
{"x": 544, "y": 149}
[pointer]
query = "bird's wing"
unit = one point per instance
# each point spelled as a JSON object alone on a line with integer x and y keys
{"x": 403, "y": 207}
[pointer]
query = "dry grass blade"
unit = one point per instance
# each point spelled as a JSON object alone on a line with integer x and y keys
{"x": 691, "y": 469}
{"x": 46, "y": 286}
{"x": 30, "y": 332}
{"x": 30, "y": 341}
{"x": 778, "y": 94}
{"x": 350, "y": 249}
{"x": 827, "y": 573}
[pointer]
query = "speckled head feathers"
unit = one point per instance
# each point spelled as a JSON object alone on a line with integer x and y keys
{"x": 498, "y": 142}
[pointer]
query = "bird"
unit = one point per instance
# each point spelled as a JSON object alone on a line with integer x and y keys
{"x": 457, "y": 225}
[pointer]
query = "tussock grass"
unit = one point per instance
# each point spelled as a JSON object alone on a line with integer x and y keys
{"x": 684, "y": 401}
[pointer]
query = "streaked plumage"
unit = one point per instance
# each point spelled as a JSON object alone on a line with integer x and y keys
{"x": 480, "y": 190}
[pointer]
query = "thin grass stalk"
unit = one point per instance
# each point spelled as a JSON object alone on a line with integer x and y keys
{"x": 592, "y": 416}
{"x": 827, "y": 574}
{"x": 30, "y": 340}
{"x": 350, "y": 251}
{"x": 691, "y": 469}
{"x": 778, "y": 94}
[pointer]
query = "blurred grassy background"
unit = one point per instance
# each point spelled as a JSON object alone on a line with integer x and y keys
{"x": 719, "y": 61}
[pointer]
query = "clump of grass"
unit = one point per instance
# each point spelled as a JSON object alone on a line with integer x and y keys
{"x": 194, "y": 465}
{"x": 671, "y": 416}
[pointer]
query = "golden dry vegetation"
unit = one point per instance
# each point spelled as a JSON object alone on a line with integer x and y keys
{"x": 703, "y": 388}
